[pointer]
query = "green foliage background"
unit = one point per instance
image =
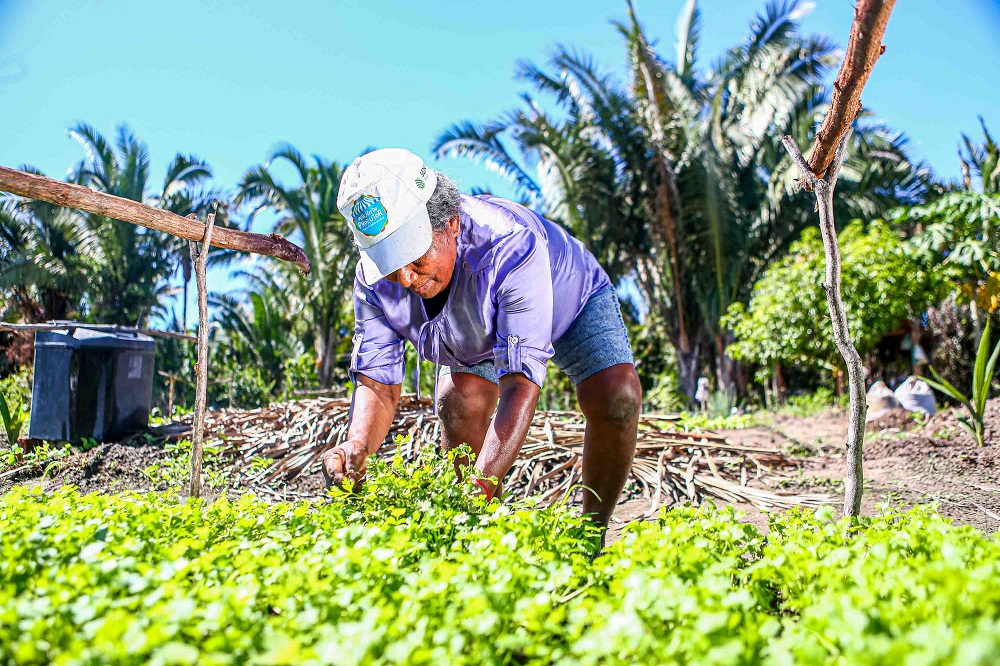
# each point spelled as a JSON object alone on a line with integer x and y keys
{"x": 884, "y": 282}
{"x": 672, "y": 175}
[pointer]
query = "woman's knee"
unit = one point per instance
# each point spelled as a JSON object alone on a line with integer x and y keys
{"x": 615, "y": 395}
{"x": 466, "y": 400}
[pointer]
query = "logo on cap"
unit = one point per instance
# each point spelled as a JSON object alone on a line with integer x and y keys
{"x": 369, "y": 215}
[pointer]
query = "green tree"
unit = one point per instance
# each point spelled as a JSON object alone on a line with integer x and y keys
{"x": 679, "y": 179}
{"x": 306, "y": 213}
{"x": 981, "y": 161}
{"x": 885, "y": 282}
{"x": 45, "y": 255}
{"x": 961, "y": 231}
{"x": 261, "y": 326}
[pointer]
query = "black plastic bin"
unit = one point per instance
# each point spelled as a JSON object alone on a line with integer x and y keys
{"x": 91, "y": 383}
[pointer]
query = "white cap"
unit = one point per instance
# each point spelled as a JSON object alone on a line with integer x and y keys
{"x": 383, "y": 195}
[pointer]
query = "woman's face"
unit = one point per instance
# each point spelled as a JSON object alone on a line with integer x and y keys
{"x": 429, "y": 275}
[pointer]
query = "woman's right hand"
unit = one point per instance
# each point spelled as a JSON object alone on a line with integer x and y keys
{"x": 345, "y": 462}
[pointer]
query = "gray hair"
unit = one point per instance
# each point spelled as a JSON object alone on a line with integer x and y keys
{"x": 444, "y": 204}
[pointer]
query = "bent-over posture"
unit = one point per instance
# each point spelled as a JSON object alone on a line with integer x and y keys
{"x": 490, "y": 292}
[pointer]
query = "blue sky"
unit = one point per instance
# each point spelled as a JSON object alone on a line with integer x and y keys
{"x": 230, "y": 80}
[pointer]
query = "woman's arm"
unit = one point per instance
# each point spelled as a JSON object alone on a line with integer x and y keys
{"x": 518, "y": 398}
{"x": 373, "y": 407}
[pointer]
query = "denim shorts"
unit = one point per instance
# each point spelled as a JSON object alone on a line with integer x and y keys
{"x": 596, "y": 340}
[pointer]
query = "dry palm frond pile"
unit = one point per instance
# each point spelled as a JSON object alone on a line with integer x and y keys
{"x": 670, "y": 466}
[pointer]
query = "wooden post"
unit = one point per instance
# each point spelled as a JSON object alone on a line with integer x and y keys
{"x": 863, "y": 50}
{"x": 77, "y": 196}
{"x": 170, "y": 398}
{"x": 25, "y": 328}
{"x": 200, "y": 259}
{"x": 823, "y": 187}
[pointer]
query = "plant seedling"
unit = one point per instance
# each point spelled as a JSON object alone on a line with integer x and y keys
{"x": 982, "y": 377}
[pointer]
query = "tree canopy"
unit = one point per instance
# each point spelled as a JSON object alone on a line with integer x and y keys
{"x": 885, "y": 282}
{"x": 677, "y": 179}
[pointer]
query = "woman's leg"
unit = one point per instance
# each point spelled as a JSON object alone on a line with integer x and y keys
{"x": 611, "y": 400}
{"x": 466, "y": 403}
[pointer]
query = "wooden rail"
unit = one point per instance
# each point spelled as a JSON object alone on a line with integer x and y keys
{"x": 26, "y": 328}
{"x": 83, "y": 198}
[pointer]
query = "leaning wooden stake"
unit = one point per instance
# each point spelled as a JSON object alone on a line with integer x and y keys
{"x": 170, "y": 398}
{"x": 200, "y": 259}
{"x": 863, "y": 50}
{"x": 820, "y": 175}
{"x": 57, "y": 192}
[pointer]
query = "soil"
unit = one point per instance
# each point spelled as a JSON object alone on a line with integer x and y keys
{"x": 906, "y": 462}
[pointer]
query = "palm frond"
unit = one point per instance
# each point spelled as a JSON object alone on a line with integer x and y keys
{"x": 291, "y": 154}
{"x": 688, "y": 35}
{"x": 482, "y": 144}
{"x": 99, "y": 152}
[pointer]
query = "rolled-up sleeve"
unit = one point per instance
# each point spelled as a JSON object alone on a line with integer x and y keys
{"x": 378, "y": 349}
{"x": 523, "y": 300}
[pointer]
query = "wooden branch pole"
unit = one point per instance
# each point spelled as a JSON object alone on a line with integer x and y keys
{"x": 823, "y": 187}
{"x": 83, "y": 198}
{"x": 863, "y": 49}
{"x": 170, "y": 398}
{"x": 200, "y": 259}
{"x": 820, "y": 175}
{"x": 26, "y": 328}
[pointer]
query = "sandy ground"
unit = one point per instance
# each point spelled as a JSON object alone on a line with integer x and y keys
{"x": 906, "y": 462}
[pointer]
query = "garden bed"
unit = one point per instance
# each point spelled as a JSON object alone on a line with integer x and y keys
{"x": 417, "y": 570}
{"x": 908, "y": 460}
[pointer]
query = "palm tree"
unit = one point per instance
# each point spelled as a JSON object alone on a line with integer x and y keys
{"x": 262, "y": 326}
{"x": 691, "y": 189}
{"x": 45, "y": 252}
{"x": 308, "y": 214}
{"x": 185, "y": 194}
{"x": 133, "y": 278}
{"x": 982, "y": 161}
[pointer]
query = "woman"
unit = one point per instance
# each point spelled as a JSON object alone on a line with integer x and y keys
{"x": 491, "y": 291}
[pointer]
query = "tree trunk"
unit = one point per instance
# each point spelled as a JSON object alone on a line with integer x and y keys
{"x": 666, "y": 196}
{"x": 725, "y": 367}
{"x": 326, "y": 359}
{"x": 184, "y": 311}
{"x": 201, "y": 391}
{"x": 780, "y": 387}
{"x": 742, "y": 380}
{"x": 824, "y": 187}
{"x": 687, "y": 368}
{"x": 170, "y": 398}
{"x": 820, "y": 175}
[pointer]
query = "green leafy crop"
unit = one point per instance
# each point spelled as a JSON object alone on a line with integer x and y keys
{"x": 415, "y": 568}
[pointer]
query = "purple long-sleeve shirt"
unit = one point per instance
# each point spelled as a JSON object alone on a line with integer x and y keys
{"x": 519, "y": 282}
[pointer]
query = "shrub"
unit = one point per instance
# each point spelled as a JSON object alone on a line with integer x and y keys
{"x": 15, "y": 406}
{"x": 982, "y": 379}
{"x": 787, "y": 320}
